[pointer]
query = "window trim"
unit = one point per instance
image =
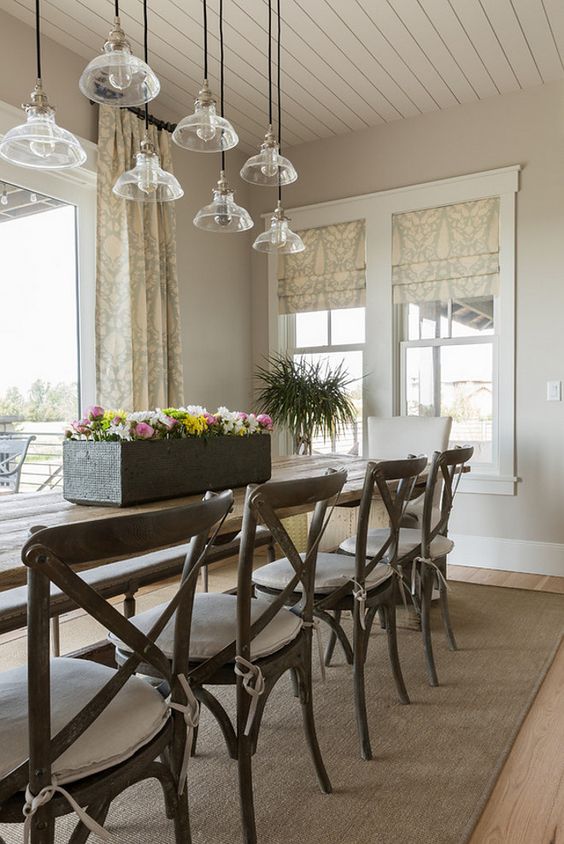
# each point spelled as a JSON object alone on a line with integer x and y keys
{"x": 76, "y": 187}
{"x": 381, "y": 387}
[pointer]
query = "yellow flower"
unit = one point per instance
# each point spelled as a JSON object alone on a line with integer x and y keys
{"x": 195, "y": 425}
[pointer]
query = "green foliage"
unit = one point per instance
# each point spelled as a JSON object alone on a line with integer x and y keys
{"x": 44, "y": 402}
{"x": 308, "y": 398}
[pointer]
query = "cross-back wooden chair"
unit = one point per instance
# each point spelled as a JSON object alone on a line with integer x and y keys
{"x": 360, "y": 584}
{"x": 13, "y": 451}
{"x": 422, "y": 552}
{"x": 249, "y": 642}
{"x": 93, "y": 729}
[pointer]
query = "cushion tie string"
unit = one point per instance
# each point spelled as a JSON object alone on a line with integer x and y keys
{"x": 431, "y": 563}
{"x": 315, "y": 624}
{"x": 191, "y": 713}
{"x": 359, "y": 594}
{"x": 253, "y": 683}
{"x": 33, "y": 802}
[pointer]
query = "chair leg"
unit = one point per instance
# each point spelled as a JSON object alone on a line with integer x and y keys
{"x": 306, "y": 699}
{"x": 359, "y": 690}
{"x": 427, "y": 578}
{"x": 443, "y": 601}
{"x": 129, "y": 603}
{"x": 42, "y": 830}
{"x": 246, "y": 799}
{"x": 330, "y": 649}
{"x": 182, "y": 833}
{"x": 382, "y": 617}
{"x": 270, "y": 553}
{"x": 55, "y": 636}
{"x": 295, "y": 682}
{"x": 390, "y": 618}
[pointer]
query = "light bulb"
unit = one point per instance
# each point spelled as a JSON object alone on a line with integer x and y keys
{"x": 148, "y": 176}
{"x": 207, "y": 128}
{"x": 222, "y": 217}
{"x": 45, "y": 147}
{"x": 270, "y": 162}
{"x": 279, "y": 232}
{"x": 33, "y": 197}
{"x": 4, "y": 197}
{"x": 120, "y": 75}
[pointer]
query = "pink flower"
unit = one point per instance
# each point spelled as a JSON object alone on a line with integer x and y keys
{"x": 144, "y": 431}
{"x": 81, "y": 426}
{"x": 169, "y": 422}
{"x": 265, "y": 421}
{"x": 94, "y": 412}
{"x": 243, "y": 416}
{"x": 210, "y": 419}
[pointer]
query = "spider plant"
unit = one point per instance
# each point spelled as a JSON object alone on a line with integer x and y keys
{"x": 309, "y": 398}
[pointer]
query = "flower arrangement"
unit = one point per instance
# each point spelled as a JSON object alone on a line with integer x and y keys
{"x": 100, "y": 425}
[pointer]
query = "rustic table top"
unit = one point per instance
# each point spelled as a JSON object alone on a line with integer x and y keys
{"x": 19, "y": 513}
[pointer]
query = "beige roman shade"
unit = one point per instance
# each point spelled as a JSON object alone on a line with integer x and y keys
{"x": 443, "y": 253}
{"x": 330, "y": 273}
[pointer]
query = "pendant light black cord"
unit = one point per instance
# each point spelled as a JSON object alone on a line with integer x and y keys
{"x": 146, "y": 55}
{"x": 279, "y": 51}
{"x": 205, "y": 39}
{"x": 116, "y": 8}
{"x": 270, "y": 62}
{"x": 38, "y": 39}
{"x": 221, "y": 73}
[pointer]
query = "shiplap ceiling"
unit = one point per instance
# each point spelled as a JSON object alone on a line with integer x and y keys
{"x": 347, "y": 64}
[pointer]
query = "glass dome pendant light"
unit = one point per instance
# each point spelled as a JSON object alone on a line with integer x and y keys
{"x": 269, "y": 167}
{"x": 39, "y": 143}
{"x": 205, "y": 130}
{"x": 279, "y": 237}
{"x": 116, "y": 77}
{"x": 147, "y": 181}
{"x": 223, "y": 214}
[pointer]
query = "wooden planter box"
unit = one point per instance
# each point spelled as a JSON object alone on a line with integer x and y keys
{"x": 119, "y": 474}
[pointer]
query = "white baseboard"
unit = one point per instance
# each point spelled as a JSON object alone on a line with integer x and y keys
{"x": 491, "y": 552}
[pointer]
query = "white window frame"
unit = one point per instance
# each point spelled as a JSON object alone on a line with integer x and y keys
{"x": 76, "y": 187}
{"x": 382, "y": 382}
{"x": 288, "y": 332}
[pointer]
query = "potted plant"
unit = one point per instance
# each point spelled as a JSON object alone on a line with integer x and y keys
{"x": 117, "y": 458}
{"x": 308, "y": 398}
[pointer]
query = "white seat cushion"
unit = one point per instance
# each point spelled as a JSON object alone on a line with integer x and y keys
{"x": 214, "y": 626}
{"x": 410, "y": 538}
{"x": 331, "y": 572}
{"x": 133, "y": 718}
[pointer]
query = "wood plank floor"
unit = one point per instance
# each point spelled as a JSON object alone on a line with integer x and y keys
{"x": 527, "y": 803}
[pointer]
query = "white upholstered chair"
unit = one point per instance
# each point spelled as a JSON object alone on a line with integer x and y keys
{"x": 393, "y": 437}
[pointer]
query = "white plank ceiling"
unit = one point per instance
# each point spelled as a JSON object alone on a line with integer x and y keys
{"x": 347, "y": 64}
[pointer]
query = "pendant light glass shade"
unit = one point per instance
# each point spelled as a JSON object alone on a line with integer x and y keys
{"x": 279, "y": 237}
{"x": 118, "y": 78}
{"x": 147, "y": 181}
{"x": 223, "y": 214}
{"x": 205, "y": 130}
{"x": 269, "y": 168}
{"x": 39, "y": 143}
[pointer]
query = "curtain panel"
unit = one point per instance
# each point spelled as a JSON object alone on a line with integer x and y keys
{"x": 331, "y": 273}
{"x": 443, "y": 253}
{"x": 138, "y": 337}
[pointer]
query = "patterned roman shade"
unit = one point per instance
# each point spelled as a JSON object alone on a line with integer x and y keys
{"x": 443, "y": 253}
{"x": 331, "y": 273}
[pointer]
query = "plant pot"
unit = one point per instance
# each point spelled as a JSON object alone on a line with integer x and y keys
{"x": 120, "y": 474}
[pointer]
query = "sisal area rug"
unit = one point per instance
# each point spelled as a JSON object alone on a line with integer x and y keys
{"x": 435, "y": 761}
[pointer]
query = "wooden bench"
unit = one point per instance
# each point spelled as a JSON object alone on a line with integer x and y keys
{"x": 124, "y": 577}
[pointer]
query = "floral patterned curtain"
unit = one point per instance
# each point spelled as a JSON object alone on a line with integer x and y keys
{"x": 331, "y": 273}
{"x": 448, "y": 252}
{"x": 138, "y": 339}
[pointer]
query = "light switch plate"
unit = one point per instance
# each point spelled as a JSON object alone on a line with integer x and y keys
{"x": 554, "y": 390}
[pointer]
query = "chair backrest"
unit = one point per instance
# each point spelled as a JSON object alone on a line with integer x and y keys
{"x": 13, "y": 451}
{"x": 445, "y": 471}
{"x": 268, "y": 504}
{"x": 50, "y": 555}
{"x": 398, "y": 436}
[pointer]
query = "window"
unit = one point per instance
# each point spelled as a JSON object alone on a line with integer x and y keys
{"x": 333, "y": 336}
{"x": 448, "y": 368}
{"x": 39, "y": 385}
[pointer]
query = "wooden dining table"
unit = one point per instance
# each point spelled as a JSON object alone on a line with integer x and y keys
{"x": 20, "y": 513}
